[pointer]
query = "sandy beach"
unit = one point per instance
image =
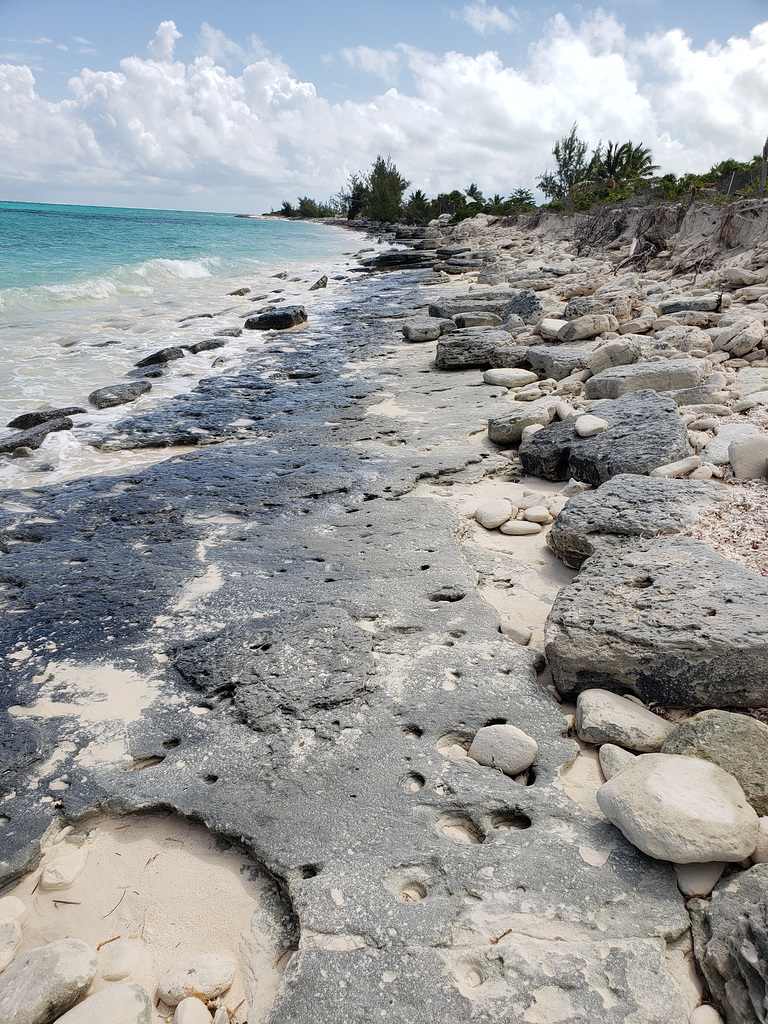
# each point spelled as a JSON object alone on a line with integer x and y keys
{"x": 245, "y": 678}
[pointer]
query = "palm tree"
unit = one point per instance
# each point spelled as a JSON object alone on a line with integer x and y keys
{"x": 620, "y": 164}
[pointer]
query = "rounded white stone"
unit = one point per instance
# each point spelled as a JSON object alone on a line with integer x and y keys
{"x": 64, "y": 871}
{"x": 505, "y": 747}
{"x": 126, "y": 1003}
{"x": 122, "y": 958}
{"x": 12, "y": 909}
{"x": 192, "y": 1011}
{"x": 589, "y": 426}
{"x": 509, "y": 377}
{"x": 537, "y": 514}
{"x": 706, "y": 1015}
{"x": 515, "y": 631}
{"x": 493, "y": 513}
{"x": 10, "y": 940}
{"x": 530, "y": 430}
{"x": 698, "y": 879}
{"x": 42, "y": 983}
{"x": 205, "y": 976}
{"x": 519, "y": 528}
{"x": 606, "y": 717}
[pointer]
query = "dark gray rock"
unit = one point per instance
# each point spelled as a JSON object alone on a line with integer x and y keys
{"x": 730, "y": 935}
{"x": 645, "y": 432}
{"x": 628, "y": 506}
{"x": 558, "y": 361}
{"x": 475, "y": 302}
{"x": 479, "y": 346}
{"x": 398, "y": 259}
{"x": 118, "y": 394}
{"x": 691, "y": 303}
{"x": 33, "y": 437}
{"x": 664, "y": 375}
{"x": 525, "y": 304}
{"x": 163, "y": 355}
{"x": 321, "y": 282}
{"x": 277, "y": 319}
{"x": 669, "y": 620}
{"x": 34, "y": 419}
{"x": 230, "y": 332}
{"x": 205, "y": 346}
{"x": 446, "y": 252}
{"x": 736, "y": 743}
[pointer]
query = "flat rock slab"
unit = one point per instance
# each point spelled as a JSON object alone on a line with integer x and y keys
{"x": 680, "y": 809}
{"x": 731, "y": 943}
{"x": 558, "y": 361}
{"x": 481, "y": 347}
{"x": 670, "y": 621}
{"x": 645, "y": 431}
{"x": 477, "y": 302}
{"x": 628, "y": 506}
{"x": 736, "y": 743}
{"x": 665, "y": 375}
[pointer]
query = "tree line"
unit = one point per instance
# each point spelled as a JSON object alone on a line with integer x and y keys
{"x": 613, "y": 172}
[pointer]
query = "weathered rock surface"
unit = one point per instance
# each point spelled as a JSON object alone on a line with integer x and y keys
{"x": 479, "y": 346}
{"x": 619, "y": 352}
{"x": 126, "y": 1003}
{"x": 718, "y": 450}
{"x": 475, "y": 302}
{"x": 669, "y": 620}
{"x": 666, "y": 375}
{"x": 627, "y": 506}
{"x": 10, "y": 940}
{"x": 584, "y": 327}
{"x": 730, "y": 934}
{"x": 493, "y": 513}
{"x": 680, "y": 809}
{"x": 163, "y": 355}
{"x": 558, "y": 361}
{"x": 526, "y": 304}
{"x": 41, "y": 984}
{"x": 644, "y": 431}
{"x": 614, "y": 759}
{"x": 34, "y": 419}
{"x": 119, "y": 394}
{"x": 34, "y": 436}
{"x": 422, "y": 328}
{"x": 736, "y": 743}
{"x": 509, "y": 377}
{"x": 606, "y": 717}
{"x": 508, "y": 427}
{"x": 277, "y": 319}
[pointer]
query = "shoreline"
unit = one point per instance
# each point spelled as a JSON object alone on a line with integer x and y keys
{"x": 319, "y": 708}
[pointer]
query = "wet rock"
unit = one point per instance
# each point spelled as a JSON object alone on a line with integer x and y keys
{"x": 34, "y": 419}
{"x": 627, "y": 506}
{"x": 395, "y": 259}
{"x": 126, "y": 1003}
{"x": 669, "y": 620}
{"x": 209, "y": 345}
{"x": 645, "y": 431}
{"x": 680, "y": 809}
{"x": 229, "y": 332}
{"x": 34, "y": 436}
{"x": 737, "y": 743}
{"x": 508, "y": 427}
{"x": 163, "y": 355}
{"x": 730, "y": 937}
{"x": 240, "y": 291}
{"x": 43, "y": 983}
{"x": 667, "y": 375}
{"x": 119, "y": 394}
{"x": 321, "y": 282}
{"x": 605, "y": 717}
{"x": 205, "y": 976}
{"x": 482, "y": 347}
{"x": 504, "y": 747}
{"x": 277, "y": 319}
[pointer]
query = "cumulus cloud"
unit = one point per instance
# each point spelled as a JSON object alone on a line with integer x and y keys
{"x": 250, "y": 137}
{"x": 382, "y": 63}
{"x": 162, "y": 46}
{"x": 484, "y": 19}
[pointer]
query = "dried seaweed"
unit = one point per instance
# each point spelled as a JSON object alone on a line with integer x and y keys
{"x": 738, "y": 527}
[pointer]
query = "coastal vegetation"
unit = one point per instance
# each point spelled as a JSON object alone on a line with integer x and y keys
{"x": 614, "y": 172}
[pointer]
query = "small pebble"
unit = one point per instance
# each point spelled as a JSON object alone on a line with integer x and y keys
{"x": 192, "y": 1011}
{"x": 517, "y": 632}
{"x": 698, "y": 879}
{"x": 537, "y": 514}
{"x": 590, "y": 426}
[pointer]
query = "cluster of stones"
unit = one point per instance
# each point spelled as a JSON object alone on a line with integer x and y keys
{"x": 642, "y": 390}
{"x": 51, "y": 983}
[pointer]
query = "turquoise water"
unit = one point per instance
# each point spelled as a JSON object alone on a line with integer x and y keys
{"x": 86, "y": 292}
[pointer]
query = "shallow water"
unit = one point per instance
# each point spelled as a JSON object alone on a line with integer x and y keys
{"x": 86, "y": 292}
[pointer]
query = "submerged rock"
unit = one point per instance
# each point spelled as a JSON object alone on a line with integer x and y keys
{"x": 34, "y": 419}
{"x": 163, "y": 355}
{"x": 34, "y": 437}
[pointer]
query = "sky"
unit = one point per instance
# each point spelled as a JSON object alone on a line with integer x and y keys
{"x": 237, "y": 105}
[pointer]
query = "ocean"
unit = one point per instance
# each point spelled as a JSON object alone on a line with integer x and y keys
{"x": 86, "y": 291}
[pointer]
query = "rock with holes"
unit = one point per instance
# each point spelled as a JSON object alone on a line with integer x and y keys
{"x": 504, "y": 747}
{"x": 626, "y": 507}
{"x": 680, "y": 809}
{"x": 126, "y": 1003}
{"x": 644, "y": 431}
{"x": 41, "y": 984}
{"x": 205, "y": 976}
{"x": 668, "y": 620}
{"x": 730, "y": 935}
{"x": 736, "y": 743}
{"x": 605, "y": 717}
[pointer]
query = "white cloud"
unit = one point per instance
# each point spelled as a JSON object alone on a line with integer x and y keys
{"x": 382, "y": 63}
{"x": 484, "y": 19}
{"x": 215, "y": 43}
{"x": 162, "y": 128}
{"x": 162, "y": 46}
